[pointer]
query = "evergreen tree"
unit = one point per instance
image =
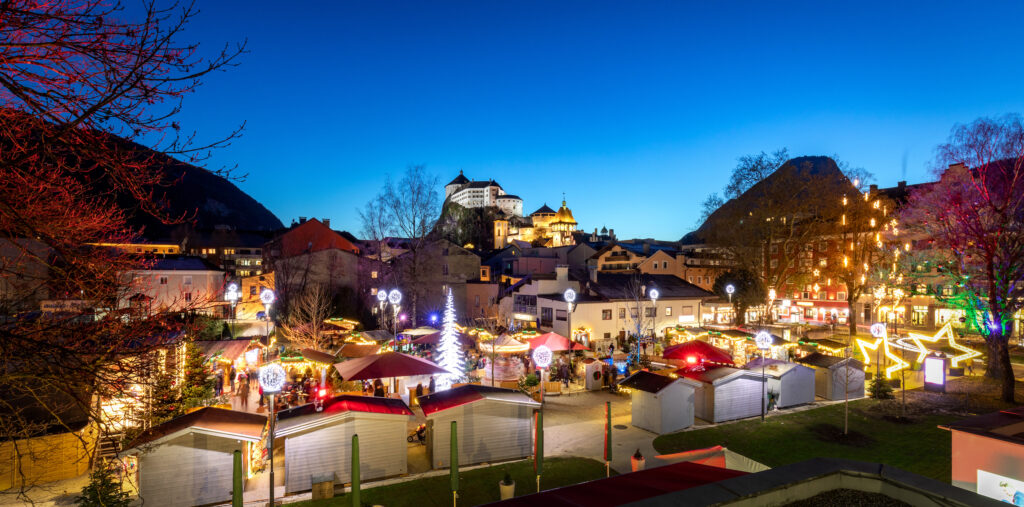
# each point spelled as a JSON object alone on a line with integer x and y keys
{"x": 880, "y": 388}
{"x": 166, "y": 402}
{"x": 196, "y": 387}
{"x": 450, "y": 349}
{"x": 103, "y": 490}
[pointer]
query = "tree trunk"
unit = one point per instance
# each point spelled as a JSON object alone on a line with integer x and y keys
{"x": 998, "y": 366}
{"x": 852, "y": 320}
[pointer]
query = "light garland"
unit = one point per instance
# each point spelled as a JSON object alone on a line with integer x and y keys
{"x": 947, "y": 331}
{"x": 450, "y": 350}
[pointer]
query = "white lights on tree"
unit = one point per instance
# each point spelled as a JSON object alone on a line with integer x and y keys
{"x": 267, "y": 297}
{"x": 382, "y": 295}
{"x": 542, "y": 356}
{"x": 449, "y": 350}
{"x": 395, "y": 296}
{"x": 763, "y": 339}
{"x": 272, "y": 378}
{"x": 570, "y": 295}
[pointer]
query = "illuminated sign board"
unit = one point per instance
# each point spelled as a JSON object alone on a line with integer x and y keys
{"x": 1001, "y": 488}
{"x": 935, "y": 373}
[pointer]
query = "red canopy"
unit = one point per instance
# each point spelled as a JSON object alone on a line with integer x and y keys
{"x": 435, "y": 339}
{"x": 386, "y": 365}
{"x": 696, "y": 351}
{"x": 555, "y": 342}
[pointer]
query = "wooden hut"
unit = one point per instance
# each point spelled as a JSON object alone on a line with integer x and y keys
{"x": 832, "y": 373}
{"x": 189, "y": 460}
{"x": 727, "y": 393}
{"x": 792, "y": 383}
{"x": 320, "y": 443}
{"x": 661, "y": 403}
{"x": 494, "y": 424}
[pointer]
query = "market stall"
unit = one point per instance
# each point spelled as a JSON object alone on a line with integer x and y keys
{"x": 832, "y": 374}
{"x": 660, "y": 403}
{"x": 189, "y": 460}
{"x": 696, "y": 355}
{"x": 494, "y": 424}
{"x": 319, "y": 443}
{"x": 389, "y": 365}
{"x": 789, "y": 384}
{"x": 726, "y": 393}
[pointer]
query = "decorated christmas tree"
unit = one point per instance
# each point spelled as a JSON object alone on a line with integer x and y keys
{"x": 450, "y": 350}
{"x": 196, "y": 387}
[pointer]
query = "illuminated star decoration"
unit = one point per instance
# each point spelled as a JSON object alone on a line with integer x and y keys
{"x": 947, "y": 330}
{"x": 882, "y": 341}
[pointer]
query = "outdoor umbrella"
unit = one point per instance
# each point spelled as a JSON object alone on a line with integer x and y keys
{"x": 386, "y": 365}
{"x": 420, "y": 331}
{"x": 695, "y": 351}
{"x": 553, "y": 341}
{"x": 504, "y": 344}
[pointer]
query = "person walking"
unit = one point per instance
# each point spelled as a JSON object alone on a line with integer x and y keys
{"x": 243, "y": 395}
{"x": 231, "y": 377}
{"x": 378, "y": 388}
{"x": 431, "y": 386}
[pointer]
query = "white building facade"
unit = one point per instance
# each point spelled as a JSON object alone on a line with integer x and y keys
{"x": 482, "y": 194}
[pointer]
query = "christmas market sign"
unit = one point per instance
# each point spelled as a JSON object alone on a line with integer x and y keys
{"x": 542, "y": 356}
{"x": 272, "y": 378}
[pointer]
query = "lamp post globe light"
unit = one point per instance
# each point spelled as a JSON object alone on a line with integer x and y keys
{"x": 763, "y": 339}
{"x": 654, "y": 294}
{"x": 232, "y": 295}
{"x": 267, "y": 297}
{"x": 570, "y": 298}
{"x": 271, "y": 378}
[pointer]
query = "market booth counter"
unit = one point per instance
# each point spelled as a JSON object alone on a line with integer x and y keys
{"x": 189, "y": 460}
{"x": 792, "y": 383}
{"x": 832, "y": 374}
{"x": 494, "y": 424}
{"x": 320, "y": 443}
{"x": 661, "y": 403}
{"x": 726, "y": 393}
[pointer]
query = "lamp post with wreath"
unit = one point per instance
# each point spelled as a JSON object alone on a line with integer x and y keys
{"x": 267, "y": 297}
{"x": 763, "y": 340}
{"x": 272, "y": 378}
{"x": 654, "y": 294}
{"x": 232, "y": 295}
{"x": 570, "y": 298}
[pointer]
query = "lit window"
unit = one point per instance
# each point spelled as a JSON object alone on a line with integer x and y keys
{"x": 668, "y": 311}
{"x": 186, "y": 280}
{"x": 606, "y": 315}
{"x": 373, "y": 274}
{"x": 163, "y": 280}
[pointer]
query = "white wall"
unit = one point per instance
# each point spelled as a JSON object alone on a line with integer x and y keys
{"x": 488, "y": 430}
{"x": 183, "y": 289}
{"x": 328, "y": 449}
{"x": 193, "y": 469}
{"x": 738, "y": 397}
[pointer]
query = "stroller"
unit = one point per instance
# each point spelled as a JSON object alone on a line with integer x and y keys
{"x": 419, "y": 434}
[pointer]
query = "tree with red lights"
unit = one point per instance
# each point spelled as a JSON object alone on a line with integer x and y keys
{"x": 975, "y": 216}
{"x": 83, "y": 90}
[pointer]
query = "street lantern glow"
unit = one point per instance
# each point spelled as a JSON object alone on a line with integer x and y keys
{"x": 730, "y": 289}
{"x": 654, "y": 294}
{"x": 272, "y": 377}
{"x": 267, "y": 297}
{"x": 542, "y": 356}
{"x": 570, "y": 295}
{"x": 382, "y": 295}
{"x": 878, "y": 330}
{"x": 395, "y": 296}
{"x": 231, "y": 293}
{"x": 763, "y": 339}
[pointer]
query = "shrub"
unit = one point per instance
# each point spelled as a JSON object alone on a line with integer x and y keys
{"x": 880, "y": 388}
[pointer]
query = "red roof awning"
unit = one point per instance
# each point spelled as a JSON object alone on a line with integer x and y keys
{"x": 386, "y": 365}
{"x": 627, "y": 488}
{"x": 699, "y": 351}
{"x": 555, "y": 342}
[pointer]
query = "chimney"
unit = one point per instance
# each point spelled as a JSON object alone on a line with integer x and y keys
{"x": 593, "y": 273}
{"x": 327, "y": 222}
{"x": 302, "y": 220}
{"x": 611, "y": 233}
{"x": 562, "y": 273}
{"x": 873, "y": 188}
{"x": 647, "y": 248}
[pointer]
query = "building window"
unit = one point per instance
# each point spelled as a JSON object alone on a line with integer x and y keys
{"x": 188, "y": 296}
{"x": 229, "y": 251}
{"x": 186, "y": 280}
{"x": 841, "y": 296}
{"x": 633, "y": 313}
{"x": 252, "y": 290}
{"x": 163, "y": 280}
{"x": 444, "y": 269}
{"x": 622, "y": 313}
{"x": 607, "y": 336}
{"x": 664, "y": 264}
{"x": 546, "y": 317}
{"x": 606, "y": 315}
{"x": 774, "y": 249}
{"x": 775, "y": 263}
{"x": 650, "y": 312}
{"x": 668, "y": 311}
{"x": 560, "y": 315}
{"x": 823, "y": 296}
{"x": 823, "y": 246}
{"x": 373, "y": 274}
{"x": 947, "y": 290}
{"x": 476, "y": 300}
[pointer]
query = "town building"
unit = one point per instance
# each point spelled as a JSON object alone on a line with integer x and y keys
{"x": 176, "y": 283}
{"x": 545, "y": 227}
{"x": 238, "y": 253}
{"x": 482, "y": 194}
{"x": 312, "y": 256}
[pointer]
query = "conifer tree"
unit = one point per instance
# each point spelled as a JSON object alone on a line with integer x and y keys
{"x": 450, "y": 349}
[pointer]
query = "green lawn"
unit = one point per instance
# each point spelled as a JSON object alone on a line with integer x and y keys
{"x": 477, "y": 486}
{"x": 919, "y": 447}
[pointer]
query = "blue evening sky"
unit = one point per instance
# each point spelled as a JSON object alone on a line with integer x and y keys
{"x": 635, "y": 110}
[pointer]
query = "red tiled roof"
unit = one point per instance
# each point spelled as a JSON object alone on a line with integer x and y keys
{"x": 313, "y": 236}
{"x": 627, "y": 488}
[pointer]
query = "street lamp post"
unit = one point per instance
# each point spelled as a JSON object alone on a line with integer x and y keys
{"x": 267, "y": 297}
{"x": 763, "y": 339}
{"x": 382, "y": 299}
{"x": 272, "y": 377}
{"x": 395, "y": 298}
{"x": 654, "y": 319}
{"x": 570, "y": 298}
{"x": 232, "y": 295}
{"x": 729, "y": 290}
